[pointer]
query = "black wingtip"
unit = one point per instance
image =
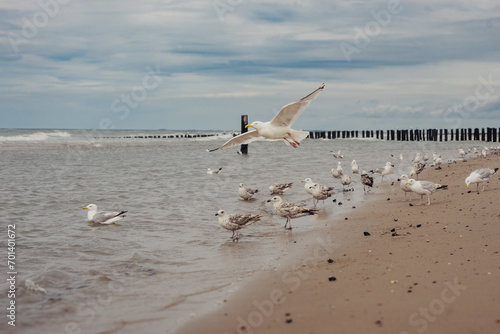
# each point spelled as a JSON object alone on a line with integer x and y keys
{"x": 215, "y": 149}
{"x": 121, "y": 213}
{"x": 496, "y": 169}
{"x": 443, "y": 187}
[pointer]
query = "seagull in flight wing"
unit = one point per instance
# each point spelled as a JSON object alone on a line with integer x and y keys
{"x": 278, "y": 127}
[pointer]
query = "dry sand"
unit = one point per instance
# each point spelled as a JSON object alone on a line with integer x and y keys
{"x": 438, "y": 272}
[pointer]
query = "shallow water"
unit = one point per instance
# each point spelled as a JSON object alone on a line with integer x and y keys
{"x": 168, "y": 259}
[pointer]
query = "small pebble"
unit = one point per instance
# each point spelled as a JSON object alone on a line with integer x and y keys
{"x": 330, "y": 261}
{"x": 393, "y": 230}
{"x": 340, "y": 203}
{"x": 419, "y": 225}
{"x": 334, "y": 200}
{"x": 411, "y": 204}
{"x": 332, "y": 278}
{"x": 288, "y": 320}
{"x": 346, "y": 218}
{"x": 395, "y": 219}
{"x": 388, "y": 199}
{"x": 353, "y": 207}
{"x": 366, "y": 233}
{"x": 395, "y": 234}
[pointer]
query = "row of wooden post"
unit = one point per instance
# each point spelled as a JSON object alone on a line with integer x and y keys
{"x": 484, "y": 134}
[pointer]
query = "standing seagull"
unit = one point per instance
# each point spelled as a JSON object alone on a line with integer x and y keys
{"x": 354, "y": 167}
{"x": 308, "y": 183}
{"x": 366, "y": 179}
{"x": 320, "y": 193}
{"x": 417, "y": 169}
{"x": 480, "y": 176}
{"x": 417, "y": 158}
{"x": 383, "y": 171}
{"x": 236, "y": 222}
{"x": 309, "y": 186}
{"x": 346, "y": 180}
{"x": 246, "y": 193}
{"x": 337, "y": 173}
{"x": 404, "y": 185}
{"x": 437, "y": 160}
{"x": 104, "y": 218}
{"x": 424, "y": 188}
{"x": 289, "y": 210}
{"x": 279, "y": 126}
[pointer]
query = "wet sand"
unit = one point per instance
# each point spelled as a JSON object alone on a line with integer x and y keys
{"x": 432, "y": 269}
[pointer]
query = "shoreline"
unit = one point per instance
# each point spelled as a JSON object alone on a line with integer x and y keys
{"x": 437, "y": 271}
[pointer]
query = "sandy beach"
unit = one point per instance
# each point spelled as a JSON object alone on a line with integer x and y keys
{"x": 417, "y": 269}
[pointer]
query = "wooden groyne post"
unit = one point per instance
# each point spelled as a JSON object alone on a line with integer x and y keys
{"x": 483, "y": 134}
{"x": 244, "y": 123}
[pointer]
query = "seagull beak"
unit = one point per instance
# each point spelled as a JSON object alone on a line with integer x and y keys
{"x": 467, "y": 186}
{"x": 407, "y": 183}
{"x": 216, "y": 214}
{"x": 85, "y": 208}
{"x": 268, "y": 200}
{"x": 249, "y": 126}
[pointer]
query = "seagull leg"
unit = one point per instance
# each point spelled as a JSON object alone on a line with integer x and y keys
{"x": 291, "y": 143}
{"x": 296, "y": 142}
{"x": 428, "y": 199}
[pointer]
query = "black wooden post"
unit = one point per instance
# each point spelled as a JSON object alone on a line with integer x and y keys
{"x": 244, "y": 123}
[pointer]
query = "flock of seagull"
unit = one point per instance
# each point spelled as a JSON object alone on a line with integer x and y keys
{"x": 280, "y": 128}
{"x": 319, "y": 192}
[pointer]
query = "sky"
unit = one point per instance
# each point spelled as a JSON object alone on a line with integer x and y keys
{"x": 190, "y": 64}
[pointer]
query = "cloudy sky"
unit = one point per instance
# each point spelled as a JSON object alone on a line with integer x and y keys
{"x": 193, "y": 64}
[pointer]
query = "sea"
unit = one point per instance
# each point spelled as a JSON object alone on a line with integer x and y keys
{"x": 168, "y": 260}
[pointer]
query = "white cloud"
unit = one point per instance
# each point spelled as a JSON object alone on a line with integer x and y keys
{"x": 263, "y": 55}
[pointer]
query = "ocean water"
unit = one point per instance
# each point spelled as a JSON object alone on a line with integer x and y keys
{"x": 169, "y": 259}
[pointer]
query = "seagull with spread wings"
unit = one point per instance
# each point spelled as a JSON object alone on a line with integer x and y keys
{"x": 278, "y": 127}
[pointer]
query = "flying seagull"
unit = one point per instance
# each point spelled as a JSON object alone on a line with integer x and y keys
{"x": 278, "y": 127}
